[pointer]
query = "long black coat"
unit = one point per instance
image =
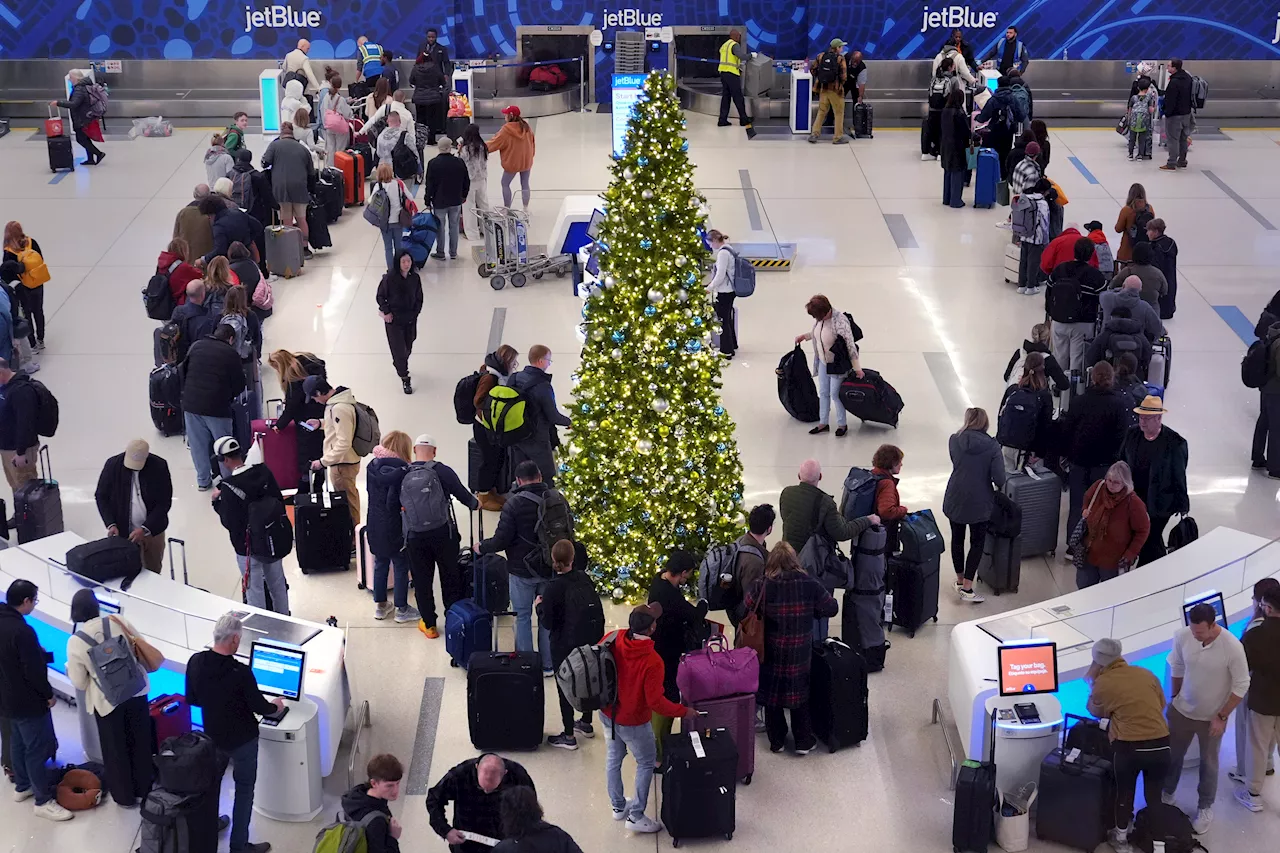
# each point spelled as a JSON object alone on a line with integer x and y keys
{"x": 955, "y": 139}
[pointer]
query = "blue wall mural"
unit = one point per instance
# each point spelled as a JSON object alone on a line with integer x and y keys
{"x": 785, "y": 29}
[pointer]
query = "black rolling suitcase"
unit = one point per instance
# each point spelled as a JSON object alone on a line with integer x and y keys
{"x": 1001, "y": 566}
{"x": 838, "y": 696}
{"x": 505, "y": 700}
{"x": 863, "y": 121}
{"x": 323, "y": 534}
{"x": 318, "y": 224}
{"x": 915, "y": 592}
{"x": 331, "y": 191}
{"x": 60, "y": 153}
{"x": 455, "y": 126}
{"x": 796, "y": 390}
{"x": 165, "y": 388}
{"x": 1076, "y": 797}
{"x": 37, "y": 504}
{"x": 699, "y": 791}
{"x": 973, "y": 824}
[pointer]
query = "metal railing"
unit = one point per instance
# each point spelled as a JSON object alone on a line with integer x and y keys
{"x": 950, "y": 736}
{"x": 362, "y": 722}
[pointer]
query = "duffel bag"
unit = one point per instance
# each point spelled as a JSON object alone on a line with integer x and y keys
{"x": 108, "y": 559}
{"x": 716, "y": 671}
{"x": 920, "y": 537}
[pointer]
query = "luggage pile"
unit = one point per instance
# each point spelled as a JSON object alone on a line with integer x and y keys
{"x": 720, "y": 684}
{"x": 1077, "y": 791}
{"x": 862, "y": 612}
{"x": 181, "y": 811}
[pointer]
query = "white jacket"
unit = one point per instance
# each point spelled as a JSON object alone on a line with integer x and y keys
{"x": 722, "y": 276}
{"x": 80, "y": 671}
{"x": 293, "y": 101}
{"x": 840, "y": 324}
{"x": 962, "y": 67}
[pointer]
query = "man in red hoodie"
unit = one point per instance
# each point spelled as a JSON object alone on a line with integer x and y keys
{"x": 627, "y": 725}
{"x": 1062, "y": 249}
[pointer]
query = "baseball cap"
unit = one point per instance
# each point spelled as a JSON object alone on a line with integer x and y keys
{"x": 1106, "y": 651}
{"x": 424, "y": 440}
{"x": 310, "y": 384}
{"x": 1033, "y": 149}
{"x": 225, "y": 446}
{"x": 837, "y": 43}
{"x": 512, "y": 110}
{"x": 135, "y": 454}
{"x": 644, "y": 615}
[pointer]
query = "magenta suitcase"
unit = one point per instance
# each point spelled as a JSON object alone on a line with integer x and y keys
{"x": 279, "y": 449}
{"x": 716, "y": 670}
{"x": 738, "y": 715}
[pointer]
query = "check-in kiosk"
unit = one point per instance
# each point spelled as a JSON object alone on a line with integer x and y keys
{"x": 1027, "y": 716}
{"x": 288, "y": 786}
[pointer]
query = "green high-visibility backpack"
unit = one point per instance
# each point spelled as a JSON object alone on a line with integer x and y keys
{"x": 507, "y": 415}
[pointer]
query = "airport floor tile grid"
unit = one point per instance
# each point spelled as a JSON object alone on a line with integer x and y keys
{"x": 923, "y": 281}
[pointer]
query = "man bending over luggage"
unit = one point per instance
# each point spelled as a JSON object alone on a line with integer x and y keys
{"x": 475, "y": 787}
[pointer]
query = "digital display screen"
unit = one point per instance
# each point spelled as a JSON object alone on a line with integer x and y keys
{"x": 1213, "y": 599}
{"x": 593, "y": 227}
{"x": 627, "y": 90}
{"x": 1028, "y": 668}
{"x": 278, "y": 669}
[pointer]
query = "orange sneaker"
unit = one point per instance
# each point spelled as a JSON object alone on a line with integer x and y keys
{"x": 430, "y": 632}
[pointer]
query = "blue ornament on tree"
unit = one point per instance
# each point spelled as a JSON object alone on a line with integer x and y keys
{"x": 646, "y": 243}
{"x": 563, "y": 468}
{"x": 673, "y": 344}
{"x": 621, "y": 530}
{"x": 693, "y": 346}
{"x": 697, "y": 321}
{"x": 619, "y": 337}
{"x": 649, "y": 310}
{"x": 643, "y": 161}
{"x": 685, "y": 146}
{"x": 722, "y": 447}
{"x": 691, "y": 278}
{"x": 645, "y": 516}
{"x": 718, "y": 411}
{"x": 666, "y": 365}
{"x": 586, "y": 408}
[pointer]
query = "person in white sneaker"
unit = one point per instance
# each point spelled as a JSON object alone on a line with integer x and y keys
{"x": 1210, "y": 676}
{"x": 1262, "y": 650}
{"x": 383, "y": 530}
{"x": 977, "y": 471}
{"x": 1241, "y": 773}
{"x": 25, "y": 700}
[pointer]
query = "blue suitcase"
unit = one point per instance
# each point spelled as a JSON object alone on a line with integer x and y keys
{"x": 984, "y": 187}
{"x": 468, "y": 628}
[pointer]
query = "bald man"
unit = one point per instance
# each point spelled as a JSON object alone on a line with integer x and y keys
{"x": 805, "y": 509}
{"x": 1130, "y": 296}
{"x": 475, "y": 787}
{"x": 297, "y": 65}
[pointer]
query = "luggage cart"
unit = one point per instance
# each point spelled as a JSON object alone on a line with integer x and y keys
{"x": 506, "y": 250}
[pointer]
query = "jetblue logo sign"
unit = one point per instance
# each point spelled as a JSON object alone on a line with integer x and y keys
{"x": 1276, "y": 38}
{"x": 280, "y": 17}
{"x": 630, "y": 18}
{"x": 952, "y": 17}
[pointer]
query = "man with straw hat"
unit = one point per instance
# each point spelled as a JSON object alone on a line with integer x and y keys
{"x": 1158, "y": 458}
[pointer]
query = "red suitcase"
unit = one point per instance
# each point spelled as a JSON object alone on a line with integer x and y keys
{"x": 738, "y": 715}
{"x": 279, "y": 449}
{"x": 352, "y": 165}
{"x": 170, "y": 717}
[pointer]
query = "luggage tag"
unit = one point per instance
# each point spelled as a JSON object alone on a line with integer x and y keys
{"x": 698, "y": 749}
{"x": 1073, "y": 756}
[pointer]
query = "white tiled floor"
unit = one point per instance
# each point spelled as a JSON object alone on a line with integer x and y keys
{"x": 102, "y": 227}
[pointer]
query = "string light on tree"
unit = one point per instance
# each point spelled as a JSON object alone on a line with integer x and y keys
{"x": 660, "y": 469}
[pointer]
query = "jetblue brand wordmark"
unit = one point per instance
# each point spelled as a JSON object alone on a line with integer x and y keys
{"x": 279, "y": 17}
{"x": 952, "y": 17}
{"x": 630, "y": 18}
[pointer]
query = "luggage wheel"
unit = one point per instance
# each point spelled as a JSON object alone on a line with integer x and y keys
{"x": 675, "y": 842}
{"x": 728, "y": 836}
{"x": 497, "y": 282}
{"x": 935, "y": 619}
{"x": 911, "y": 634}
{"x": 746, "y": 780}
{"x": 360, "y": 585}
{"x": 996, "y": 591}
{"x": 518, "y": 279}
{"x": 453, "y": 663}
{"x": 484, "y": 270}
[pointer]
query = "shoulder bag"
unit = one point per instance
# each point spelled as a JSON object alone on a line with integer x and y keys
{"x": 750, "y": 634}
{"x": 1078, "y": 541}
{"x": 148, "y": 655}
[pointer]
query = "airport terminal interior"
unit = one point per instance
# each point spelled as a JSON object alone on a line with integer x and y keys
{"x": 924, "y": 282}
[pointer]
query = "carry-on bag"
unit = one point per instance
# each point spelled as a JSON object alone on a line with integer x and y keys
{"x": 919, "y": 537}
{"x": 915, "y": 592}
{"x": 796, "y": 389}
{"x": 1077, "y": 799}
{"x": 863, "y": 121}
{"x": 37, "y": 504}
{"x": 164, "y": 387}
{"x": 318, "y": 225}
{"x": 279, "y": 448}
{"x": 862, "y": 610}
{"x": 1001, "y": 566}
{"x": 716, "y": 671}
{"x": 871, "y": 398}
{"x": 61, "y": 155}
{"x": 108, "y": 559}
{"x": 1161, "y": 361}
{"x": 323, "y": 533}
{"x": 351, "y": 165}
{"x": 170, "y": 717}
{"x": 838, "y": 696}
{"x": 973, "y": 818}
{"x": 331, "y": 191}
{"x": 737, "y": 716}
{"x": 505, "y": 701}
{"x": 1038, "y": 492}
{"x": 455, "y": 126}
{"x": 284, "y": 250}
{"x": 364, "y": 562}
{"x": 699, "y": 796}
{"x": 1012, "y": 262}
{"x": 986, "y": 178}
{"x": 187, "y": 764}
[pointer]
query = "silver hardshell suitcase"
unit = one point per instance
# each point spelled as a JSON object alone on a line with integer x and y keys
{"x": 1039, "y": 493}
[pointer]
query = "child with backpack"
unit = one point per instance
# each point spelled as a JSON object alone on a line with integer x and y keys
{"x": 1101, "y": 248}
{"x": 1142, "y": 119}
{"x": 1029, "y": 220}
{"x": 570, "y": 610}
{"x": 366, "y": 812}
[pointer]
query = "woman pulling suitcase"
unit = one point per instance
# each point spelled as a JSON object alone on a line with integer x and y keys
{"x": 292, "y": 370}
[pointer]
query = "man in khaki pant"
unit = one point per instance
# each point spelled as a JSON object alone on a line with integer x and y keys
{"x": 134, "y": 496}
{"x": 339, "y": 430}
{"x": 1262, "y": 648}
{"x": 19, "y": 441}
{"x": 828, "y": 76}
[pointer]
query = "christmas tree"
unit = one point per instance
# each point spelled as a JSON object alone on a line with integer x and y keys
{"x": 652, "y": 464}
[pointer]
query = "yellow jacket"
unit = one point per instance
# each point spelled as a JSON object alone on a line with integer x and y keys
{"x": 1133, "y": 699}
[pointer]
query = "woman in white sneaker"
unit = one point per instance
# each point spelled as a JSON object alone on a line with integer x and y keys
{"x": 977, "y": 470}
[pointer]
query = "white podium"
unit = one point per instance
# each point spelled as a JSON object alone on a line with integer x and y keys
{"x": 1020, "y": 748}
{"x": 288, "y": 787}
{"x": 269, "y": 95}
{"x": 801, "y": 95}
{"x": 462, "y": 84}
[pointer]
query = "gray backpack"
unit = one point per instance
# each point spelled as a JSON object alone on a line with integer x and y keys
{"x": 554, "y": 523}
{"x": 115, "y": 670}
{"x": 588, "y": 677}
{"x": 164, "y": 822}
{"x": 423, "y": 500}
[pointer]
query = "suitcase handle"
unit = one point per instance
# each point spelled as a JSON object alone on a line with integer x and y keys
{"x": 175, "y": 541}
{"x": 46, "y": 464}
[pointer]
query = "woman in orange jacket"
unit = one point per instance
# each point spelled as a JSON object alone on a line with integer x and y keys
{"x": 515, "y": 146}
{"x": 886, "y": 464}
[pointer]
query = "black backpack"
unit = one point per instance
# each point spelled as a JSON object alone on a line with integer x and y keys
{"x": 1018, "y": 419}
{"x": 1064, "y": 300}
{"x": 828, "y": 70}
{"x": 1160, "y": 822}
{"x": 403, "y": 160}
{"x": 157, "y": 298}
{"x": 269, "y": 530}
{"x": 1255, "y": 368}
{"x": 1138, "y": 231}
{"x": 46, "y": 409}
{"x": 464, "y": 397}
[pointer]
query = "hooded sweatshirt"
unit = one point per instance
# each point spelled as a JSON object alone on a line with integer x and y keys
{"x": 218, "y": 163}
{"x": 1140, "y": 309}
{"x": 356, "y": 804}
{"x": 340, "y": 428}
{"x": 1013, "y": 371}
{"x": 293, "y": 101}
{"x": 640, "y": 677}
{"x": 247, "y": 484}
{"x": 515, "y": 145}
{"x": 1123, "y": 327}
{"x": 383, "y": 477}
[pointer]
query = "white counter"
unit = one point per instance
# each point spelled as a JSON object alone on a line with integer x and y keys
{"x": 1142, "y": 608}
{"x": 179, "y": 620}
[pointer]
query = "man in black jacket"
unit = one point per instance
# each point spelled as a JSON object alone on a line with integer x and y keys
{"x": 193, "y": 318}
{"x": 227, "y": 694}
{"x": 375, "y": 797}
{"x": 1092, "y": 432}
{"x": 19, "y": 439}
{"x": 246, "y": 486}
{"x": 535, "y": 383}
{"x": 682, "y": 625}
{"x": 134, "y": 495}
{"x": 571, "y": 612}
{"x": 447, "y": 186}
{"x": 25, "y": 700}
{"x": 212, "y": 378}
{"x": 1157, "y": 456}
{"x": 475, "y": 787}
{"x": 1072, "y": 302}
{"x": 1178, "y": 106}
{"x": 80, "y": 104}
{"x": 437, "y": 52}
{"x": 230, "y": 225}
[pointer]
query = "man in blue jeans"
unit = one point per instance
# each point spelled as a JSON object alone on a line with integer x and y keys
{"x": 225, "y": 689}
{"x": 25, "y": 700}
{"x": 212, "y": 378}
{"x": 517, "y": 535}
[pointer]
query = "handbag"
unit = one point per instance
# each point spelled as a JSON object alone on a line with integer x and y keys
{"x": 1002, "y": 193}
{"x": 1122, "y": 126}
{"x": 750, "y": 633}
{"x": 841, "y": 362}
{"x": 1077, "y": 541}
{"x": 715, "y": 671}
{"x": 406, "y": 214}
{"x": 146, "y": 654}
{"x": 971, "y": 158}
{"x": 334, "y": 122}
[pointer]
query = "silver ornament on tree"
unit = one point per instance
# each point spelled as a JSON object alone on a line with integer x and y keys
{"x": 680, "y": 260}
{"x": 644, "y": 445}
{"x": 628, "y": 174}
{"x": 646, "y": 194}
{"x": 616, "y": 354}
{"x": 682, "y": 295}
{"x": 655, "y": 296}
{"x": 659, "y": 405}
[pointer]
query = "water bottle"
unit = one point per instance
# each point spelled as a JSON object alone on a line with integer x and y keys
{"x": 1064, "y": 53}
{"x": 888, "y": 607}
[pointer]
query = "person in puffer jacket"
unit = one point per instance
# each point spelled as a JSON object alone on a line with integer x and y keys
{"x": 1038, "y": 342}
{"x": 383, "y": 477}
{"x": 1121, "y": 333}
{"x": 1130, "y": 296}
{"x": 293, "y": 100}
{"x": 217, "y": 162}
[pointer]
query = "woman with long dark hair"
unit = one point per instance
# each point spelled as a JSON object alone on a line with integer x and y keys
{"x": 524, "y": 830}
{"x": 399, "y": 304}
{"x": 953, "y": 128}
{"x": 1127, "y": 222}
{"x": 475, "y": 154}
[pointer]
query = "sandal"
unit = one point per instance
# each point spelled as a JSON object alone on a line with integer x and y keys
{"x": 820, "y": 429}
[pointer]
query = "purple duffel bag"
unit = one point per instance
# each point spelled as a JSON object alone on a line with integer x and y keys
{"x": 716, "y": 671}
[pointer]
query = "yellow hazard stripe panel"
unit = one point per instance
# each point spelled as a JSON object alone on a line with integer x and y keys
{"x": 771, "y": 263}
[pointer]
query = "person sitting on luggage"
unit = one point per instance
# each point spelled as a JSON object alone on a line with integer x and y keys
{"x": 375, "y": 797}
{"x": 124, "y": 729}
{"x": 517, "y": 535}
{"x": 977, "y": 469}
{"x": 475, "y": 787}
{"x": 1072, "y": 299}
{"x": 1092, "y": 430}
{"x": 134, "y": 496}
{"x": 535, "y": 383}
{"x": 1038, "y": 343}
{"x": 1154, "y": 285}
{"x": 292, "y": 369}
{"x": 682, "y": 626}
{"x": 1131, "y": 699}
{"x": 834, "y": 347}
{"x": 226, "y": 692}
{"x": 1026, "y": 172}
{"x": 1117, "y": 526}
{"x": 1025, "y": 424}
{"x": 247, "y": 486}
{"x": 385, "y": 535}
{"x": 1102, "y": 249}
{"x": 339, "y": 457}
{"x": 789, "y": 600}
{"x": 524, "y": 829}
{"x": 1158, "y": 458}
{"x": 886, "y": 464}
{"x": 179, "y": 253}
{"x": 629, "y": 723}
{"x": 753, "y": 550}
{"x": 573, "y": 616}
{"x": 807, "y": 509}
{"x": 1120, "y": 333}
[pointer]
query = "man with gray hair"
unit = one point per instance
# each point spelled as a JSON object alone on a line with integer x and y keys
{"x": 1130, "y": 296}
{"x": 225, "y": 690}
{"x": 447, "y": 186}
{"x": 81, "y": 105}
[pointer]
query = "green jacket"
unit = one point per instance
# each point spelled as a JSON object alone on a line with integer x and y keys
{"x": 804, "y": 504}
{"x": 234, "y": 140}
{"x": 1167, "y": 490}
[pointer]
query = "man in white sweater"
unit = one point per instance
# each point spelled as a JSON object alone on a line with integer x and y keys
{"x": 1210, "y": 676}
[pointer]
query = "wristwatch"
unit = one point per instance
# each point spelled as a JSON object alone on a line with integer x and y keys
{"x": 1222, "y": 716}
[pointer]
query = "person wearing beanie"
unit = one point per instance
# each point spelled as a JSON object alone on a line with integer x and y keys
{"x": 681, "y": 628}
{"x": 124, "y": 730}
{"x": 134, "y": 495}
{"x": 1027, "y": 171}
{"x": 1132, "y": 699}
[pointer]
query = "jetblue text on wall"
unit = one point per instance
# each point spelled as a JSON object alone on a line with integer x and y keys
{"x": 1276, "y": 38}
{"x": 277, "y": 17}
{"x": 630, "y": 18}
{"x": 957, "y": 16}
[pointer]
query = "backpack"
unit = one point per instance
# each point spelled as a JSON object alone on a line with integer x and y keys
{"x": 507, "y": 415}
{"x": 115, "y": 669}
{"x": 1199, "y": 92}
{"x": 859, "y": 496}
{"x": 367, "y": 432}
{"x": 1159, "y": 822}
{"x": 1024, "y": 216}
{"x": 1183, "y": 533}
{"x": 157, "y": 298}
{"x": 1064, "y": 300}
{"x": 346, "y": 835}
{"x": 555, "y": 522}
{"x": 1018, "y": 419}
{"x": 242, "y": 190}
{"x": 1106, "y": 261}
{"x": 46, "y": 410}
{"x": 1255, "y": 367}
{"x": 464, "y": 397}
{"x": 35, "y": 272}
{"x": 857, "y": 330}
{"x": 98, "y": 99}
{"x": 167, "y": 337}
{"x": 164, "y": 821}
{"x": 423, "y": 500}
{"x": 404, "y": 161}
{"x": 827, "y": 71}
{"x": 588, "y": 676}
{"x": 1138, "y": 230}
{"x": 262, "y": 295}
{"x": 240, "y": 326}
{"x": 1021, "y": 98}
{"x": 743, "y": 275}
{"x": 270, "y": 533}
{"x": 720, "y": 562}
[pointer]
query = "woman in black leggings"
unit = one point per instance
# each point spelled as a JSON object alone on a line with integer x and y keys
{"x": 977, "y": 469}
{"x": 29, "y": 284}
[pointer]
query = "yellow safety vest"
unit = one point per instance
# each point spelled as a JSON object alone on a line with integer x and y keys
{"x": 728, "y": 60}
{"x": 370, "y": 51}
